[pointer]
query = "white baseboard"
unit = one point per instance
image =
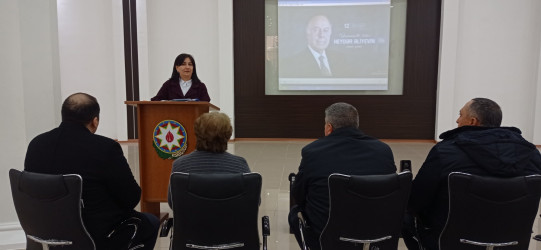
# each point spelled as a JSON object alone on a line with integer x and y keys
{"x": 10, "y": 226}
{"x": 12, "y": 236}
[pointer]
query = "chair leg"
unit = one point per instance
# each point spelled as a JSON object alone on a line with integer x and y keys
{"x": 489, "y": 246}
{"x": 302, "y": 237}
{"x": 366, "y": 243}
{"x": 45, "y": 243}
{"x": 265, "y": 224}
{"x": 166, "y": 226}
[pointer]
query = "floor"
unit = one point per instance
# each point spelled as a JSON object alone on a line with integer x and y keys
{"x": 274, "y": 160}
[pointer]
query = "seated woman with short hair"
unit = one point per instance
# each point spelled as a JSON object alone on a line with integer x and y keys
{"x": 212, "y": 132}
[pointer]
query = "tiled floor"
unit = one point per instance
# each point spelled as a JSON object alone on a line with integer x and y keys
{"x": 274, "y": 160}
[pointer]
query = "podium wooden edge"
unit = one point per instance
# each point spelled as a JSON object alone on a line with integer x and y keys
{"x": 212, "y": 107}
{"x": 163, "y": 217}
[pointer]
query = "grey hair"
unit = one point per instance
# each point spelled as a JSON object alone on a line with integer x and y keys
{"x": 341, "y": 115}
{"x": 487, "y": 111}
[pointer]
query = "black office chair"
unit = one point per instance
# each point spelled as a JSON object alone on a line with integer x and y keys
{"x": 292, "y": 201}
{"x": 365, "y": 210}
{"x": 49, "y": 210}
{"x": 405, "y": 165}
{"x": 490, "y": 212}
{"x": 216, "y": 211}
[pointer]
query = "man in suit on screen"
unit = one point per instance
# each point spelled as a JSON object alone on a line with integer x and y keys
{"x": 314, "y": 60}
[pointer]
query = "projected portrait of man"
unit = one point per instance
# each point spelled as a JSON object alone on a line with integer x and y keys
{"x": 334, "y": 47}
{"x": 315, "y": 60}
{"x": 318, "y": 35}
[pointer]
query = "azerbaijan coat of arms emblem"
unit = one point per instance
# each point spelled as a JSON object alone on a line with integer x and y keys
{"x": 170, "y": 139}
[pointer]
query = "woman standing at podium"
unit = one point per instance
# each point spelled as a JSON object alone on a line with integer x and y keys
{"x": 184, "y": 83}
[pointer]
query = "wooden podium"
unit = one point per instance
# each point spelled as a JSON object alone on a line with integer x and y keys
{"x": 154, "y": 172}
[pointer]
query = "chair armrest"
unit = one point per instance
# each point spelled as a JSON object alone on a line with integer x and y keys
{"x": 291, "y": 177}
{"x": 302, "y": 221}
{"x": 405, "y": 165}
{"x": 166, "y": 226}
{"x": 265, "y": 224}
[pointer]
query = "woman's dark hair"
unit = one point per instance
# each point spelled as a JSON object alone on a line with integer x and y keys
{"x": 178, "y": 61}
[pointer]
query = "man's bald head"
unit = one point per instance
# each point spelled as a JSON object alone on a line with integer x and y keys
{"x": 80, "y": 108}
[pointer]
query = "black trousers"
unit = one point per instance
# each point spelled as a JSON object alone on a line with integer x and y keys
{"x": 311, "y": 238}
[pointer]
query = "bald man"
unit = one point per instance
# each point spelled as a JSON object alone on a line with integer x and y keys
{"x": 318, "y": 35}
{"x": 478, "y": 146}
{"x": 110, "y": 192}
{"x": 315, "y": 60}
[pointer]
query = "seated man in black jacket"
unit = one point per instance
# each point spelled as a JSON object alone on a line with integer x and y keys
{"x": 478, "y": 146}
{"x": 346, "y": 150}
{"x": 110, "y": 192}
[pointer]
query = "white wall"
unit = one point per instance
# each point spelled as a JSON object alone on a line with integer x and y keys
{"x": 183, "y": 26}
{"x": 12, "y": 130}
{"x": 39, "y": 51}
{"x": 29, "y": 100}
{"x": 225, "y": 59}
{"x": 40, "y": 66}
{"x": 92, "y": 58}
{"x": 491, "y": 48}
{"x": 537, "y": 121}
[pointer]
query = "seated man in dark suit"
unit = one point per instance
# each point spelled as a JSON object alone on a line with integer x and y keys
{"x": 478, "y": 146}
{"x": 345, "y": 150}
{"x": 110, "y": 192}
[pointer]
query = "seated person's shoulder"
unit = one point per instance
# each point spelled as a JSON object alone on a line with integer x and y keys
{"x": 237, "y": 158}
{"x": 103, "y": 142}
{"x": 315, "y": 145}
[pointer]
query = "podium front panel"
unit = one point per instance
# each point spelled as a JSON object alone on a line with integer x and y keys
{"x": 155, "y": 171}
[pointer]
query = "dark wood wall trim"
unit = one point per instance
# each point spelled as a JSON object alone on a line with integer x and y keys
{"x": 407, "y": 116}
{"x": 131, "y": 63}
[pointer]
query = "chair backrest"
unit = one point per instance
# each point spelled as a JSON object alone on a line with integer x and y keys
{"x": 365, "y": 208}
{"x": 215, "y": 209}
{"x": 490, "y": 210}
{"x": 49, "y": 208}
